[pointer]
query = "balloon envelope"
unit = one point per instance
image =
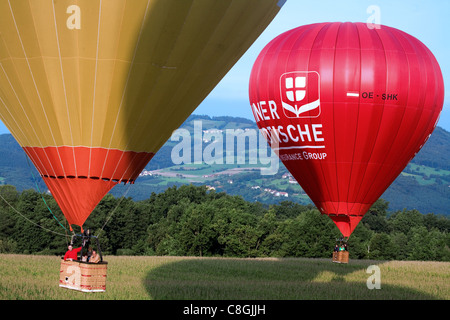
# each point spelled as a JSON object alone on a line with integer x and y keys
{"x": 346, "y": 107}
{"x": 91, "y": 89}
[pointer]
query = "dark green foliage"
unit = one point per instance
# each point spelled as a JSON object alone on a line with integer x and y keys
{"x": 191, "y": 220}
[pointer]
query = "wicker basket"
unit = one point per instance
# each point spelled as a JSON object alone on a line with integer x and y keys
{"x": 340, "y": 257}
{"x": 83, "y": 276}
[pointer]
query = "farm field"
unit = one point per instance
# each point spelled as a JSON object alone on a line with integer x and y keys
{"x": 29, "y": 277}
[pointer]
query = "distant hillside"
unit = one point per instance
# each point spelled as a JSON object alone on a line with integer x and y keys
{"x": 424, "y": 185}
{"x": 15, "y": 168}
{"x": 436, "y": 152}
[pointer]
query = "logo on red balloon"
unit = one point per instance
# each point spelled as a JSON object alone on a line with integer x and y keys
{"x": 300, "y": 94}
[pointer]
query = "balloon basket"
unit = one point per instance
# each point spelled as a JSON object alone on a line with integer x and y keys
{"x": 83, "y": 276}
{"x": 340, "y": 257}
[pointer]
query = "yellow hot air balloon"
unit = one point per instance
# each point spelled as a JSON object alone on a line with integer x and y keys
{"x": 91, "y": 89}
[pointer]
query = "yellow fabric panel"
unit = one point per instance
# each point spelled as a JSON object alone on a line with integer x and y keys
{"x": 115, "y": 73}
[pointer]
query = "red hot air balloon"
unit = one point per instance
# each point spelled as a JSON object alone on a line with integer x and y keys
{"x": 346, "y": 107}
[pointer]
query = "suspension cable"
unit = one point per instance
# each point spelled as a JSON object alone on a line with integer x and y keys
{"x": 26, "y": 218}
{"x": 42, "y": 195}
{"x": 66, "y": 230}
{"x": 112, "y": 212}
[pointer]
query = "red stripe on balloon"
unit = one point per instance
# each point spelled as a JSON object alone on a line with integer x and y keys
{"x": 79, "y": 177}
{"x": 85, "y": 162}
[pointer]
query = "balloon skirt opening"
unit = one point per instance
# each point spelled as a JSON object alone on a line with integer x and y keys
{"x": 346, "y": 224}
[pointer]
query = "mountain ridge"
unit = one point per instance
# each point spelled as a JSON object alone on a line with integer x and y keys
{"x": 423, "y": 185}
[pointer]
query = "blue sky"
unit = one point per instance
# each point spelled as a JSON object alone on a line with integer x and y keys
{"x": 426, "y": 20}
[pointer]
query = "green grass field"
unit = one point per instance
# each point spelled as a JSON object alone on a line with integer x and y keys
{"x": 24, "y": 277}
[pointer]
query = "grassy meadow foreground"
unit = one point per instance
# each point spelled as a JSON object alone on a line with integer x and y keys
{"x": 28, "y": 277}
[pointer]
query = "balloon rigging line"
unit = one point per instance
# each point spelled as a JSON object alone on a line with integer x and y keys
{"x": 42, "y": 195}
{"x": 23, "y": 216}
{"x": 112, "y": 212}
{"x": 58, "y": 233}
{"x": 107, "y": 219}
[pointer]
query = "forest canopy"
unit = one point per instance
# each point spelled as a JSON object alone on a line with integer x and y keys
{"x": 194, "y": 221}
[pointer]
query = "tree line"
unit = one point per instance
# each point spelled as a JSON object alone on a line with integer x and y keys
{"x": 193, "y": 221}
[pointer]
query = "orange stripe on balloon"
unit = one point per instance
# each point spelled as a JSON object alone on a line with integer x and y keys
{"x": 79, "y": 177}
{"x": 86, "y": 162}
